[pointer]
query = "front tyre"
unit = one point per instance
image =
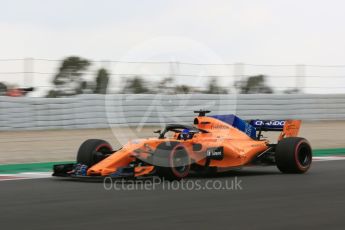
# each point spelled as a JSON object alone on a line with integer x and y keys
{"x": 92, "y": 151}
{"x": 293, "y": 155}
{"x": 172, "y": 163}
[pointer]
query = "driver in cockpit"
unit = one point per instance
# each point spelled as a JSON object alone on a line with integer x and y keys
{"x": 186, "y": 134}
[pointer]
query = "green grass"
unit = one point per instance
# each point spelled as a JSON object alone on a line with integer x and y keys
{"x": 329, "y": 152}
{"x": 28, "y": 167}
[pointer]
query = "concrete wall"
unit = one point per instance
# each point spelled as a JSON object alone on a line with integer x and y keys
{"x": 99, "y": 111}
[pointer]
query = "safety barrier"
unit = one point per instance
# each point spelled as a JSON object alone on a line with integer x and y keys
{"x": 102, "y": 111}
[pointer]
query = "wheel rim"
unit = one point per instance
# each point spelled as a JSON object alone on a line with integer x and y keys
{"x": 304, "y": 156}
{"x": 180, "y": 162}
{"x": 101, "y": 152}
{"x": 104, "y": 149}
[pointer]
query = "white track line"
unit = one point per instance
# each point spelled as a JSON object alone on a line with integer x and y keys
{"x": 329, "y": 158}
{"x": 25, "y": 176}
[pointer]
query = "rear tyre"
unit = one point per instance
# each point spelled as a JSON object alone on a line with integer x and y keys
{"x": 92, "y": 151}
{"x": 172, "y": 162}
{"x": 293, "y": 155}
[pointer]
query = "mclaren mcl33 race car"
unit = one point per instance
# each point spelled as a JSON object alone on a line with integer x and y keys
{"x": 212, "y": 143}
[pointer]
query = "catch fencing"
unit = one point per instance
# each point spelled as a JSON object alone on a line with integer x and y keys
{"x": 287, "y": 78}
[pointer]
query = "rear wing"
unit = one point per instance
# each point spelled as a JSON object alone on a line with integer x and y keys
{"x": 253, "y": 128}
{"x": 288, "y": 128}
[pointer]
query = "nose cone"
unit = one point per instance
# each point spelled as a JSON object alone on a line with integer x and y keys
{"x": 110, "y": 164}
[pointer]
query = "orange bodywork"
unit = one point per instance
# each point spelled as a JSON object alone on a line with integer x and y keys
{"x": 238, "y": 148}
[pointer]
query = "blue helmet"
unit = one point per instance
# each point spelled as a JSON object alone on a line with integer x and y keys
{"x": 185, "y": 134}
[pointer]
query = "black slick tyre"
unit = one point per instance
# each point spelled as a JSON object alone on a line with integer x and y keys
{"x": 293, "y": 155}
{"x": 92, "y": 151}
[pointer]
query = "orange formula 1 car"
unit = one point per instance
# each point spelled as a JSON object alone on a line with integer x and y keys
{"x": 213, "y": 143}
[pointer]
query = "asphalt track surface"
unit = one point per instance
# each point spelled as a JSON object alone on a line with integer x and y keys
{"x": 268, "y": 200}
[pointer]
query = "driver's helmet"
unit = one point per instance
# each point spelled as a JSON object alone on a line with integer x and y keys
{"x": 185, "y": 134}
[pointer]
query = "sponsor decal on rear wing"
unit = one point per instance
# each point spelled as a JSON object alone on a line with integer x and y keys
{"x": 288, "y": 128}
{"x": 268, "y": 125}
